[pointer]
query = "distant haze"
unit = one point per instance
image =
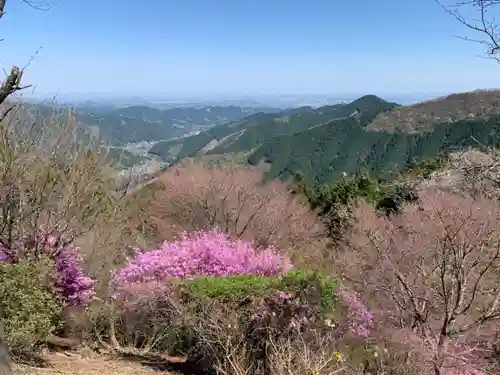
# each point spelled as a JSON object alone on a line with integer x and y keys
{"x": 170, "y": 101}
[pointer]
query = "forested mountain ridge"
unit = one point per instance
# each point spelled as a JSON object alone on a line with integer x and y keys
{"x": 368, "y": 133}
{"x": 388, "y": 142}
{"x": 140, "y": 123}
{"x": 321, "y": 143}
{"x": 253, "y": 131}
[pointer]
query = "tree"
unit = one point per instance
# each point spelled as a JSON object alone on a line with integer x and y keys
{"x": 236, "y": 201}
{"x": 484, "y": 25}
{"x": 9, "y": 86}
{"x": 433, "y": 271}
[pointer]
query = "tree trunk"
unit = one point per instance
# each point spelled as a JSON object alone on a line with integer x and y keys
{"x": 5, "y": 368}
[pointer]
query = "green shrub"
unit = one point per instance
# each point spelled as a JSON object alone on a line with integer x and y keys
{"x": 331, "y": 201}
{"x": 313, "y": 286}
{"x": 316, "y": 288}
{"x": 426, "y": 167}
{"x": 230, "y": 286}
{"x": 29, "y": 310}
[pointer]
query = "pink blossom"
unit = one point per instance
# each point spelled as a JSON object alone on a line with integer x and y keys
{"x": 283, "y": 295}
{"x": 210, "y": 253}
{"x": 69, "y": 281}
{"x": 360, "y": 319}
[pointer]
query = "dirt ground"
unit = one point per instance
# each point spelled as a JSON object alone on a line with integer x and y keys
{"x": 80, "y": 364}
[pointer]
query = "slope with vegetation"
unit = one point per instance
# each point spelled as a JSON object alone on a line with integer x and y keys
{"x": 277, "y": 278}
{"x": 368, "y": 133}
{"x": 479, "y": 105}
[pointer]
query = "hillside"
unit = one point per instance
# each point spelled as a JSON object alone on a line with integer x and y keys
{"x": 475, "y": 105}
{"x": 323, "y": 153}
{"x": 255, "y": 130}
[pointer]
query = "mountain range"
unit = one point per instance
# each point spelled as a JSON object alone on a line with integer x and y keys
{"x": 322, "y": 143}
{"x": 368, "y": 133}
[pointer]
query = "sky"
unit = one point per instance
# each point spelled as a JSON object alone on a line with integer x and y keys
{"x": 160, "y": 47}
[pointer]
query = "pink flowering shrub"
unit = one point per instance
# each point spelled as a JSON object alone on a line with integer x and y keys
{"x": 210, "y": 253}
{"x": 69, "y": 281}
{"x": 360, "y": 319}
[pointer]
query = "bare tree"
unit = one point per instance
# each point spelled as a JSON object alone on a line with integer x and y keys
{"x": 483, "y": 24}
{"x": 12, "y": 82}
{"x": 433, "y": 272}
{"x": 9, "y": 86}
{"x": 236, "y": 201}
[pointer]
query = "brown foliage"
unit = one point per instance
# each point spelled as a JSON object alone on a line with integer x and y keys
{"x": 470, "y": 171}
{"x": 480, "y": 104}
{"x": 236, "y": 201}
{"x": 433, "y": 272}
{"x": 49, "y": 180}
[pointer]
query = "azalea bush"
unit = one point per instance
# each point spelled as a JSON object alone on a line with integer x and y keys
{"x": 146, "y": 290}
{"x": 359, "y": 318}
{"x": 210, "y": 253}
{"x": 199, "y": 294}
{"x": 68, "y": 281}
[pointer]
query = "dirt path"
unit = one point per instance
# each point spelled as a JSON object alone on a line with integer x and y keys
{"x": 76, "y": 364}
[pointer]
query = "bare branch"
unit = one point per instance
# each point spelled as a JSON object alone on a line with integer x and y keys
{"x": 484, "y": 25}
{"x": 434, "y": 268}
{"x": 43, "y": 5}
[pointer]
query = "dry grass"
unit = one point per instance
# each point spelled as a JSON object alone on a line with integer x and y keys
{"x": 481, "y": 104}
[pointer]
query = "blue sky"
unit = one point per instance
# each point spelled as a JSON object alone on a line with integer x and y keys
{"x": 155, "y": 47}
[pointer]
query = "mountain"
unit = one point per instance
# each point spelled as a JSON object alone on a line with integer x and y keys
{"x": 322, "y": 143}
{"x": 253, "y": 131}
{"x": 132, "y": 130}
{"x": 387, "y": 142}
